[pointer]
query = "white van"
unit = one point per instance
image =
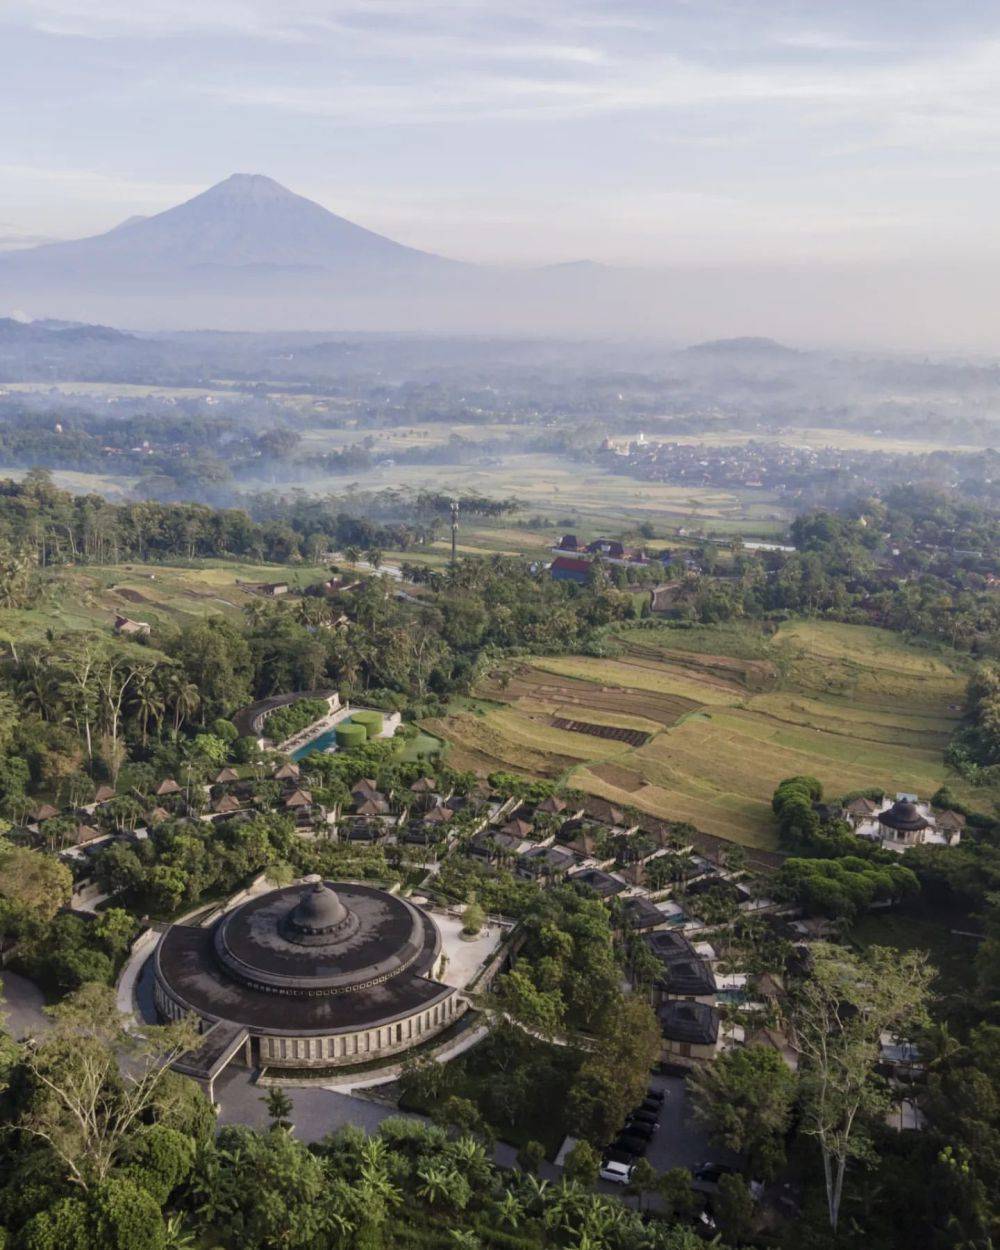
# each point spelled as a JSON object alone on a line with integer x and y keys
{"x": 620, "y": 1173}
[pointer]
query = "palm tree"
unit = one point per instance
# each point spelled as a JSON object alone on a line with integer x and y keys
{"x": 181, "y": 696}
{"x": 470, "y": 1156}
{"x": 435, "y": 1184}
{"x": 509, "y": 1209}
{"x": 177, "y": 1237}
{"x": 149, "y": 702}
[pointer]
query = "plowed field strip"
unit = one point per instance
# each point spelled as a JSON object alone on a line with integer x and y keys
{"x": 631, "y": 737}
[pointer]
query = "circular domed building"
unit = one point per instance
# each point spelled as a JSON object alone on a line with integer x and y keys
{"x": 318, "y": 975}
{"x": 903, "y": 822}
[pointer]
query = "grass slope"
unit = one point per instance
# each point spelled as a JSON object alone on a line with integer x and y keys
{"x": 89, "y": 598}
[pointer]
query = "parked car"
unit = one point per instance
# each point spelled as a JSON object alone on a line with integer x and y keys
{"x": 657, "y": 1095}
{"x": 630, "y": 1143}
{"x": 619, "y": 1156}
{"x": 643, "y": 1117}
{"x": 635, "y": 1128}
{"x": 650, "y": 1104}
{"x": 619, "y": 1173}
{"x": 707, "y": 1177}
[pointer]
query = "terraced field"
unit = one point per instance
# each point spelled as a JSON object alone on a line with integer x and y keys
{"x": 856, "y": 707}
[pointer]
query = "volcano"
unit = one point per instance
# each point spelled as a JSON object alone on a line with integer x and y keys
{"x": 244, "y": 224}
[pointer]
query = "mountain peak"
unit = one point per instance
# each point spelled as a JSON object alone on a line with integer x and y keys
{"x": 249, "y": 186}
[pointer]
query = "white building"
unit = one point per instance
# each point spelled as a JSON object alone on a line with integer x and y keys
{"x": 907, "y": 822}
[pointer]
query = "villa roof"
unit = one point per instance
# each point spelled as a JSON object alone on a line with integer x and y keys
{"x": 903, "y": 817}
{"x": 861, "y": 807}
{"x": 167, "y": 786}
{"x": 374, "y": 806}
{"x": 158, "y": 815}
{"x": 696, "y": 1023}
{"x": 641, "y": 913}
{"x": 602, "y": 883}
{"x": 226, "y": 774}
{"x": 539, "y": 858}
{"x": 438, "y": 816}
{"x": 299, "y": 798}
{"x": 552, "y": 804}
{"x": 684, "y": 971}
{"x": 949, "y": 822}
{"x": 104, "y": 794}
{"x": 228, "y": 803}
{"x": 287, "y": 772}
{"x": 45, "y": 811}
{"x": 492, "y": 841}
{"x": 424, "y": 785}
{"x": 518, "y": 828}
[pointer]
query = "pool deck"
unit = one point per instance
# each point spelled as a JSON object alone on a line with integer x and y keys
{"x": 298, "y": 745}
{"x": 311, "y": 732}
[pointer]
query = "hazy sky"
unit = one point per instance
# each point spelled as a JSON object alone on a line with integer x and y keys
{"x": 753, "y": 131}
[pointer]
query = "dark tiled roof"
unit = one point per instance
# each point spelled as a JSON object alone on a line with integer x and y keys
{"x": 640, "y": 913}
{"x": 696, "y": 1023}
{"x": 684, "y": 972}
{"x": 902, "y": 816}
{"x": 570, "y": 564}
{"x": 601, "y": 883}
{"x": 545, "y": 858}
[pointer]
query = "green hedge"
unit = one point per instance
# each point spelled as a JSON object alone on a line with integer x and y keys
{"x": 372, "y": 721}
{"x": 350, "y": 735}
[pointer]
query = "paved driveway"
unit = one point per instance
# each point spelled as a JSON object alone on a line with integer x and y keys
{"x": 22, "y": 1005}
{"x": 680, "y": 1141}
{"x": 316, "y": 1111}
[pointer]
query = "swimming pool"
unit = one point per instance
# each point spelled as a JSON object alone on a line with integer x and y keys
{"x": 326, "y": 739}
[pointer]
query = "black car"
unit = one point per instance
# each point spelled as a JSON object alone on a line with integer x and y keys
{"x": 636, "y": 1128}
{"x": 613, "y": 1155}
{"x": 643, "y": 1117}
{"x": 629, "y": 1144}
{"x": 650, "y": 1104}
{"x": 654, "y": 1095}
{"x": 707, "y": 1177}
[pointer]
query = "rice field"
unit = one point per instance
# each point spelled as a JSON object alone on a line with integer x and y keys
{"x": 856, "y": 707}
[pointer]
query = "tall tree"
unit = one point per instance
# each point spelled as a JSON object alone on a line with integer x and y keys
{"x": 745, "y": 1099}
{"x": 839, "y": 1013}
{"x": 95, "y": 1083}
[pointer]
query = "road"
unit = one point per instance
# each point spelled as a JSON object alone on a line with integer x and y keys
{"x": 22, "y": 1005}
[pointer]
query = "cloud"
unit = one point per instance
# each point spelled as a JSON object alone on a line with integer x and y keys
{"x": 917, "y": 103}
